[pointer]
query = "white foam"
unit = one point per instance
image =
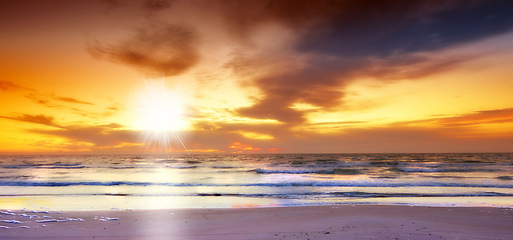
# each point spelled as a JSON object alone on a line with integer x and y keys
{"x": 10, "y": 221}
{"x": 50, "y": 220}
{"x": 7, "y": 213}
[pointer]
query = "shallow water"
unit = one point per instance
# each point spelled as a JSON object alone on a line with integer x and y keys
{"x": 96, "y": 182}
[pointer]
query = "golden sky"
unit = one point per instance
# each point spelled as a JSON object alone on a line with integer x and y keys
{"x": 255, "y": 76}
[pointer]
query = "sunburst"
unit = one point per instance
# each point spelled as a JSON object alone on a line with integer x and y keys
{"x": 161, "y": 116}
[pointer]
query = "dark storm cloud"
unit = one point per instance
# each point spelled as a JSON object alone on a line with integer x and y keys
{"x": 373, "y": 27}
{"x": 161, "y": 49}
{"x": 383, "y": 28}
{"x": 343, "y": 40}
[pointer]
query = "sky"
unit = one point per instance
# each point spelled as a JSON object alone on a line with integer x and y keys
{"x": 227, "y": 76}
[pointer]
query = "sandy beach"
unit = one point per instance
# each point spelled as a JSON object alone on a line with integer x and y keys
{"x": 319, "y": 222}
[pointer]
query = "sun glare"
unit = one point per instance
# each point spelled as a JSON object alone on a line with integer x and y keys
{"x": 161, "y": 114}
{"x": 161, "y": 110}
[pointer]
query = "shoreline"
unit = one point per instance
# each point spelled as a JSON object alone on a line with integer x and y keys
{"x": 303, "y": 222}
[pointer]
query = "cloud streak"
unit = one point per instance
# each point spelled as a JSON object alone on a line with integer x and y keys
{"x": 38, "y": 119}
{"x": 495, "y": 116}
{"x": 72, "y": 100}
{"x": 98, "y": 135}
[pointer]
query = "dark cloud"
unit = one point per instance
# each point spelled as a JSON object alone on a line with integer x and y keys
{"x": 322, "y": 80}
{"x": 161, "y": 49}
{"x": 319, "y": 82}
{"x": 384, "y": 28}
{"x": 340, "y": 41}
{"x": 410, "y": 66}
{"x": 38, "y": 119}
{"x": 373, "y": 27}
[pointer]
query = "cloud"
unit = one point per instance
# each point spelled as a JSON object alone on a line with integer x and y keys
{"x": 399, "y": 139}
{"x": 156, "y": 5}
{"x": 41, "y": 98}
{"x": 159, "y": 49}
{"x": 38, "y": 119}
{"x": 495, "y": 116}
{"x": 9, "y": 86}
{"x": 350, "y": 139}
{"x": 337, "y": 42}
{"x": 320, "y": 81}
{"x": 373, "y": 28}
{"x": 72, "y": 100}
{"x": 98, "y": 135}
{"x": 145, "y": 5}
{"x": 504, "y": 115}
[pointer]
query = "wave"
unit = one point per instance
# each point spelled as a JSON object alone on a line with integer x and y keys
{"x": 181, "y": 167}
{"x": 440, "y": 170}
{"x": 44, "y": 166}
{"x": 222, "y": 167}
{"x": 295, "y": 195}
{"x": 337, "y": 171}
{"x": 277, "y": 184}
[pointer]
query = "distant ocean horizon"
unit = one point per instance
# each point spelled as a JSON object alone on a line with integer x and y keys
{"x": 149, "y": 181}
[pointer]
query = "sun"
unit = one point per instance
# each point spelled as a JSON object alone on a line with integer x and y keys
{"x": 161, "y": 114}
{"x": 161, "y": 108}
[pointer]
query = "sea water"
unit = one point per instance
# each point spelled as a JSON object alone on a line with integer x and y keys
{"x": 103, "y": 182}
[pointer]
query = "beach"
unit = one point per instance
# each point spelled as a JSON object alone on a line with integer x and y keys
{"x": 273, "y": 196}
{"x": 309, "y": 222}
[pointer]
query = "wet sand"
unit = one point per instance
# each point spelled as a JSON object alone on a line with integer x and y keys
{"x": 324, "y": 222}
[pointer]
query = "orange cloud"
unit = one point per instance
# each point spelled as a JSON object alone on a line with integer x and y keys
{"x": 39, "y": 119}
{"x": 241, "y": 147}
{"x": 9, "y": 86}
{"x": 478, "y": 118}
{"x": 504, "y": 115}
{"x": 204, "y": 151}
{"x": 109, "y": 135}
{"x": 72, "y": 100}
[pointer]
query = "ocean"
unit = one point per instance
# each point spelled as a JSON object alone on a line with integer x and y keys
{"x": 105, "y": 182}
